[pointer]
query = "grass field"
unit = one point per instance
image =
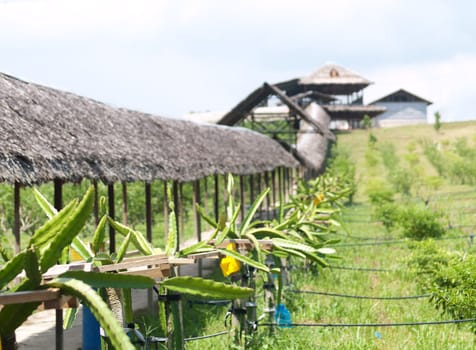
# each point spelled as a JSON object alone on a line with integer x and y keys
{"x": 457, "y": 202}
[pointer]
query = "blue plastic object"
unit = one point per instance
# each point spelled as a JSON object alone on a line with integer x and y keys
{"x": 283, "y": 316}
{"x": 91, "y": 335}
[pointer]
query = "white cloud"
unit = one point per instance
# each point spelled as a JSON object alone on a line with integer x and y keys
{"x": 60, "y": 20}
{"x": 450, "y": 84}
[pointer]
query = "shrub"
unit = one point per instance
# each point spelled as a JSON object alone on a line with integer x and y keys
{"x": 388, "y": 213}
{"x": 379, "y": 192}
{"x": 420, "y": 223}
{"x": 454, "y": 288}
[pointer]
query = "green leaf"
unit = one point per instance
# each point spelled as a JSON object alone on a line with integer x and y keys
{"x": 251, "y": 213}
{"x": 326, "y": 251}
{"x": 138, "y": 239}
{"x": 256, "y": 245}
{"x": 278, "y": 251}
{"x": 11, "y": 269}
{"x": 288, "y": 244}
{"x": 68, "y": 231}
{"x": 69, "y": 317}
{"x": 264, "y": 232}
{"x": 207, "y": 218}
{"x": 99, "y": 234}
{"x": 99, "y": 309}
{"x": 317, "y": 259}
{"x": 83, "y": 250}
{"x": 197, "y": 247}
{"x": 47, "y": 207}
{"x": 14, "y": 315}
{"x": 244, "y": 259}
{"x": 121, "y": 252}
{"x": 45, "y": 233}
{"x": 31, "y": 267}
{"x": 110, "y": 280}
{"x": 127, "y": 301}
{"x": 205, "y": 288}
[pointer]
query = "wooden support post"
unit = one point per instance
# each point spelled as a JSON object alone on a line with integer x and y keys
{"x": 124, "y": 203}
{"x": 258, "y": 183}
{"x": 16, "y": 216}
{"x": 96, "y": 202}
{"x": 58, "y": 194}
{"x": 242, "y": 198}
{"x": 175, "y": 193}
{"x": 148, "y": 230}
{"x": 165, "y": 203}
{"x": 268, "y": 199}
{"x": 216, "y": 203}
{"x": 196, "y": 199}
{"x": 281, "y": 199}
{"x": 274, "y": 188}
{"x": 252, "y": 185}
{"x": 206, "y": 197}
{"x": 148, "y": 211}
{"x": 58, "y": 204}
{"x": 112, "y": 214}
{"x": 181, "y": 214}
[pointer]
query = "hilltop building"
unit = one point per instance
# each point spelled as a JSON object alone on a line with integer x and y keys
{"x": 344, "y": 89}
{"x": 402, "y": 108}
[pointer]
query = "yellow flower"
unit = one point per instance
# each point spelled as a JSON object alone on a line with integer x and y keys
{"x": 318, "y": 199}
{"x": 229, "y": 265}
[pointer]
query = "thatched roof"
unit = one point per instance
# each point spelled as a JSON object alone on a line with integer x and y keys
{"x": 48, "y": 134}
{"x": 330, "y": 79}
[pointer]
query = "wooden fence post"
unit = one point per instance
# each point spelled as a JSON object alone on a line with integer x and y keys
{"x": 16, "y": 216}
{"x": 196, "y": 199}
{"x": 58, "y": 204}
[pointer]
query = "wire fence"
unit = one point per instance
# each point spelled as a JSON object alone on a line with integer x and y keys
{"x": 365, "y": 269}
{"x": 396, "y": 324}
{"x": 339, "y": 295}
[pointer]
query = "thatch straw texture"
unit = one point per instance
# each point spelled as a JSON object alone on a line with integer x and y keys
{"x": 48, "y": 134}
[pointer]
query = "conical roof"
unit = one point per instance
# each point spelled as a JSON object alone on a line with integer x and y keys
{"x": 330, "y": 79}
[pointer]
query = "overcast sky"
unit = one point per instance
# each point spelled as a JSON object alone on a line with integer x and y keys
{"x": 173, "y": 57}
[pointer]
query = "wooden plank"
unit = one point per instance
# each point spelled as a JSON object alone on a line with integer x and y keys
{"x": 157, "y": 272}
{"x": 207, "y": 255}
{"x": 181, "y": 261}
{"x": 134, "y": 262}
{"x": 29, "y": 296}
